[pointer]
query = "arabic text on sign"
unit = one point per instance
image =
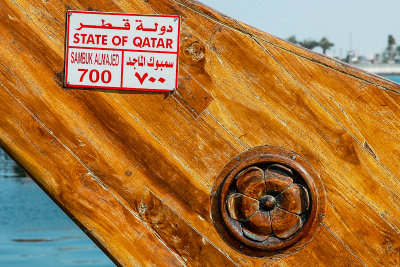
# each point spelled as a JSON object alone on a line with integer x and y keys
{"x": 127, "y": 26}
{"x": 157, "y": 64}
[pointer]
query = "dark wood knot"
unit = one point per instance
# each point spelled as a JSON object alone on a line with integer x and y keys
{"x": 195, "y": 52}
{"x": 267, "y": 202}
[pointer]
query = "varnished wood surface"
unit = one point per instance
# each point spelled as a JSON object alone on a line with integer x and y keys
{"x": 136, "y": 169}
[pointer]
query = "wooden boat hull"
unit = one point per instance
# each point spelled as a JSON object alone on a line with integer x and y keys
{"x": 137, "y": 171}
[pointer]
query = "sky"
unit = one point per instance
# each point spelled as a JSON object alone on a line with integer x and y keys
{"x": 367, "y": 22}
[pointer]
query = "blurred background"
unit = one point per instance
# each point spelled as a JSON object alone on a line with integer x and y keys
{"x": 35, "y": 232}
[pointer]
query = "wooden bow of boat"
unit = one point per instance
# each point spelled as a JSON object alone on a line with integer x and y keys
{"x": 137, "y": 170}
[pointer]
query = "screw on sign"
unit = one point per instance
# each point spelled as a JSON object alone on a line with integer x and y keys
{"x": 122, "y": 51}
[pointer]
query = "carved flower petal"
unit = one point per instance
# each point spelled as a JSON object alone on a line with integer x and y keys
{"x": 284, "y": 223}
{"x": 258, "y": 227}
{"x": 241, "y": 207}
{"x": 277, "y": 179}
{"x": 251, "y": 182}
{"x": 295, "y": 199}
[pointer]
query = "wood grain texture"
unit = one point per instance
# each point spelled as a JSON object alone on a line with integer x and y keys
{"x": 193, "y": 248}
{"x": 100, "y": 153}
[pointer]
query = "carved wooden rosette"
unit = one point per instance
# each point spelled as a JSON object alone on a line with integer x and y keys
{"x": 267, "y": 201}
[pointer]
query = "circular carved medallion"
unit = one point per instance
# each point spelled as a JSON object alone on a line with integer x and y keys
{"x": 267, "y": 201}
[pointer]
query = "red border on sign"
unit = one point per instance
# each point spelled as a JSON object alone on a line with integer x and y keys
{"x": 177, "y": 53}
{"x": 122, "y": 50}
{"x": 119, "y": 88}
{"x": 123, "y": 14}
{"x": 66, "y": 55}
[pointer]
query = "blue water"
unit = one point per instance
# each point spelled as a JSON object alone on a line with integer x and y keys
{"x": 34, "y": 231}
{"x": 395, "y": 78}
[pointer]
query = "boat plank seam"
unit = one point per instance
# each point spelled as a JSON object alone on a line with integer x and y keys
{"x": 202, "y": 182}
{"x": 185, "y": 101}
{"x": 181, "y": 218}
{"x": 241, "y": 144}
{"x": 35, "y": 23}
{"x": 343, "y": 244}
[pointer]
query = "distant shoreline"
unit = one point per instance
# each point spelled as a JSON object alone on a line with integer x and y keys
{"x": 387, "y": 69}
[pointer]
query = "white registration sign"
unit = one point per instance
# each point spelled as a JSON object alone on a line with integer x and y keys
{"x": 122, "y": 51}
